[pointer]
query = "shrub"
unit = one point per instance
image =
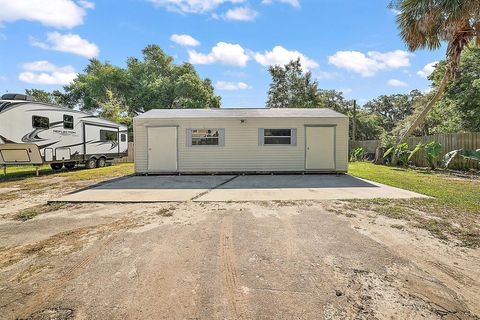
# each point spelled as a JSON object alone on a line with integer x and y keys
{"x": 357, "y": 154}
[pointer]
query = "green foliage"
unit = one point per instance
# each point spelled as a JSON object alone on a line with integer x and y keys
{"x": 357, "y": 154}
{"x": 291, "y": 87}
{"x": 418, "y": 147}
{"x": 54, "y": 97}
{"x": 471, "y": 154}
{"x": 459, "y": 108}
{"x": 148, "y": 83}
{"x": 368, "y": 126}
{"x": 391, "y": 109}
{"x": 433, "y": 150}
{"x": 398, "y": 154}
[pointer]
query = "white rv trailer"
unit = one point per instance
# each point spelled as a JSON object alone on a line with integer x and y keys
{"x": 38, "y": 133}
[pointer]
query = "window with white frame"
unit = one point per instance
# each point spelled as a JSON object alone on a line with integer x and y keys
{"x": 277, "y": 136}
{"x": 205, "y": 137}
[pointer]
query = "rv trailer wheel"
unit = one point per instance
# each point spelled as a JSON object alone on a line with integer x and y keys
{"x": 69, "y": 165}
{"x": 56, "y": 166}
{"x": 101, "y": 162}
{"x": 91, "y": 164}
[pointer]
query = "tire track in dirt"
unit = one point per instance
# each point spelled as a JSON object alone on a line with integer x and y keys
{"x": 40, "y": 301}
{"x": 236, "y": 297}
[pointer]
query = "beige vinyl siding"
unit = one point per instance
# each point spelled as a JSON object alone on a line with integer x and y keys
{"x": 241, "y": 151}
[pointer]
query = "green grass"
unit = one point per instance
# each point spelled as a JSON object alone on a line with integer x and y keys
{"x": 461, "y": 193}
{"x": 452, "y": 212}
{"x": 26, "y": 174}
{"x": 32, "y": 212}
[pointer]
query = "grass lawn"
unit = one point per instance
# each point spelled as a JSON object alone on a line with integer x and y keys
{"x": 26, "y": 174}
{"x": 457, "y": 192}
{"x": 453, "y": 212}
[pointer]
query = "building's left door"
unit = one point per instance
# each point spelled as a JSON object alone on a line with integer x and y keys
{"x": 162, "y": 149}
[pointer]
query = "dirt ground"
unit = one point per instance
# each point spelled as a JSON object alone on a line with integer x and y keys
{"x": 252, "y": 260}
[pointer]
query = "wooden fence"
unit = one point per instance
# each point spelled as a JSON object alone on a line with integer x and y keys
{"x": 130, "y": 157}
{"x": 451, "y": 141}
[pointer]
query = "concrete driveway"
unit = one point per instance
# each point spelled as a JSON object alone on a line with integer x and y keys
{"x": 141, "y": 189}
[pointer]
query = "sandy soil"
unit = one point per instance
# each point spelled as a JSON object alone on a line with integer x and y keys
{"x": 257, "y": 260}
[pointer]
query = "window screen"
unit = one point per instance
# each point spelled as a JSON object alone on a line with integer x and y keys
{"x": 40, "y": 122}
{"x": 107, "y": 135}
{"x": 277, "y": 136}
{"x": 67, "y": 121}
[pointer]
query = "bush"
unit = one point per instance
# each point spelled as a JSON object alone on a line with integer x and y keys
{"x": 358, "y": 154}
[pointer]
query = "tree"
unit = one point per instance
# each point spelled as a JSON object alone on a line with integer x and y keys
{"x": 155, "y": 82}
{"x": 392, "y": 109}
{"x": 334, "y": 99}
{"x": 149, "y": 83}
{"x": 291, "y": 87}
{"x": 460, "y": 105}
{"x": 55, "y": 97}
{"x": 426, "y": 23}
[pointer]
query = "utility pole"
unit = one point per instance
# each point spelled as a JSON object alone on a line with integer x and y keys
{"x": 354, "y": 124}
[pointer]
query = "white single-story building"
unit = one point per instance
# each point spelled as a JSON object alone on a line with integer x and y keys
{"x": 240, "y": 140}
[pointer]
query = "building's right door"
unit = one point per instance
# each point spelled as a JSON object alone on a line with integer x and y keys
{"x": 162, "y": 149}
{"x": 320, "y": 148}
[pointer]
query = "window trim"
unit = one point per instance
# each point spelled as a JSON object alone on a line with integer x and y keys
{"x": 293, "y": 137}
{"x": 101, "y": 140}
{"x": 36, "y": 127}
{"x": 72, "y": 122}
{"x": 221, "y": 138}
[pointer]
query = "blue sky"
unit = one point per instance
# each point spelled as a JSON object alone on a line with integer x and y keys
{"x": 348, "y": 45}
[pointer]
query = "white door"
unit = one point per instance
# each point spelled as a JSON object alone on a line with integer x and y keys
{"x": 162, "y": 149}
{"x": 320, "y": 148}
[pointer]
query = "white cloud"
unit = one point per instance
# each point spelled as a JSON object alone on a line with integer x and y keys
{"x": 397, "y": 83}
{"x": 86, "y": 4}
{"x": 368, "y": 65}
{"x": 281, "y": 56}
{"x": 72, "y": 43}
{"x": 192, "y": 6}
{"x": 185, "y": 40}
{"x": 52, "y": 13}
{"x": 241, "y": 14}
{"x": 3, "y": 78}
{"x": 44, "y": 72}
{"x": 225, "y": 85}
{"x": 293, "y": 3}
{"x": 427, "y": 69}
{"x": 222, "y": 52}
{"x": 391, "y": 60}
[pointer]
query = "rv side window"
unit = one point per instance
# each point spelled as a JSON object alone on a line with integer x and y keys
{"x": 67, "y": 121}
{"x": 40, "y": 122}
{"x": 123, "y": 137}
{"x": 107, "y": 135}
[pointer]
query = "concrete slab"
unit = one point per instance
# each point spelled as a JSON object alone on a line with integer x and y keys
{"x": 143, "y": 189}
{"x": 303, "y": 187}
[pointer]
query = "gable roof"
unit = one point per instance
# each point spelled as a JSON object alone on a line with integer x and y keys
{"x": 243, "y": 113}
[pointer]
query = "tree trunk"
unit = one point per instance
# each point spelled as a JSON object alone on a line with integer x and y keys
{"x": 421, "y": 117}
{"x": 379, "y": 155}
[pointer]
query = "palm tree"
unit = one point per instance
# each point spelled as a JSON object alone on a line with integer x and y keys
{"x": 428, "y": 23}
